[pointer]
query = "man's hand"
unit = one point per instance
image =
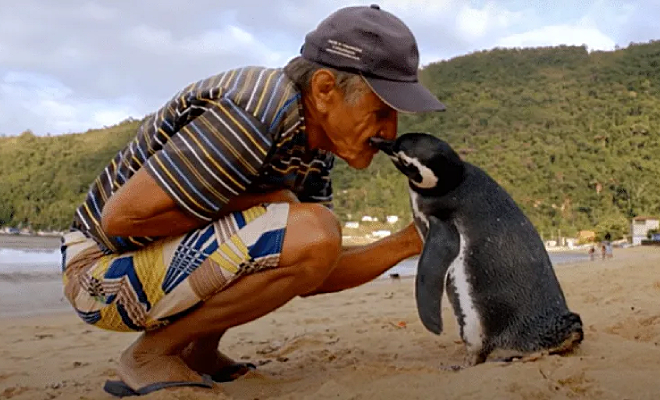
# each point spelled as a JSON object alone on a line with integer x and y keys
{"x": 412, "y": 236}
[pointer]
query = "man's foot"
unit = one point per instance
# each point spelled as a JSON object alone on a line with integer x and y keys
{"x": 138, "y": 369}
{"x": 220, "y": 367}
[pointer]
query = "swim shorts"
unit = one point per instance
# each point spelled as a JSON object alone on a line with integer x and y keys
{"x": 151, "y": 287}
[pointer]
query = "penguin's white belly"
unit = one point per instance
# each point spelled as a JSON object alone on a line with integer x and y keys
{"x": 472, "y": 327}
{"x": 421, "y": 221}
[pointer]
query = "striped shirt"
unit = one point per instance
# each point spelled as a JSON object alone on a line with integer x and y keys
{"x": 239, "y": 131}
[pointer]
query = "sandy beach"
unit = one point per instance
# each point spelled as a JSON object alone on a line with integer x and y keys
{"x": 368, "y": 343}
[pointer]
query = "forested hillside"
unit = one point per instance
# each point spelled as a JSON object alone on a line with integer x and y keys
{"x": 572, "y": 135}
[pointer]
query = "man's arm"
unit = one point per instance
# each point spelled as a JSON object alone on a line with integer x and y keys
{"x": 201, "y": 173}
{"x": 360, "y": 264}
{"x": 142, "y": 208}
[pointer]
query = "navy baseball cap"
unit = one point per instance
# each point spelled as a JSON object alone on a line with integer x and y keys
{"x": 380, "y": 47}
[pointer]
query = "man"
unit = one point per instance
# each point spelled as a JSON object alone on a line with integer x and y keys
{"x": 219, "y": 211}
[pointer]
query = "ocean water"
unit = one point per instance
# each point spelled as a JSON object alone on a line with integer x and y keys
{"x": 31, "y": 262}
{"x": 31, "y": 284}
{"x": 409, "y": 266}
{"x": 16, "y": 265}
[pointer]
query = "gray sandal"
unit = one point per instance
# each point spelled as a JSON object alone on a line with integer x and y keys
{"x": 121, "y": 389}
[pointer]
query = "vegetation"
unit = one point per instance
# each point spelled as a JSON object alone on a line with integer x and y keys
{"x": 572, "y": 135}
{"x": 44, "y": 179}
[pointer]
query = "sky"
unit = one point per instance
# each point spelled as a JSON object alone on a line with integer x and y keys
{"x": 72, "y": 65}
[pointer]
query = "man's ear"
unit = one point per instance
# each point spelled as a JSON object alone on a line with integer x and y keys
{"x": 324, "y": 89}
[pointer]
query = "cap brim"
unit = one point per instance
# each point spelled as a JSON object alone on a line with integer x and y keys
{"x": 409, "y": 97}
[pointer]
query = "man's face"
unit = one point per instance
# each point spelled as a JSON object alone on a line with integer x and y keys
{"x": 349, "y": 125}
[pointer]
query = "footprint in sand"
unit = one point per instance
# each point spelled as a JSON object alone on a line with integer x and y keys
{"x": 655, "y": 320}
{"x": 639, "y": 329}
{"x": 12, "y": 391}
{"x": 589, "y": 298}
{"x": 41, "y": 336}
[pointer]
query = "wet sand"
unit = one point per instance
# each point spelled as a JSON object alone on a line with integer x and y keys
{"x": 28, "y": 242}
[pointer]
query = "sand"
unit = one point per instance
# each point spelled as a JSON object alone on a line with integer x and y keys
{"x": 368, "y": 343}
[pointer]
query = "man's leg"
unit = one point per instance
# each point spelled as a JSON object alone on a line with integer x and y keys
{"x": 311, "y": 248}
{"x": 203, "y": 356}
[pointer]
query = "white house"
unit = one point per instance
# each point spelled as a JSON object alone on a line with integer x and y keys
{"x": 352, "y": 225}
{"x": 381, "y": 233}
{"x": 641, "y": 226}
{"x": 392, "y": 219}
{"x": 571, "y": 242}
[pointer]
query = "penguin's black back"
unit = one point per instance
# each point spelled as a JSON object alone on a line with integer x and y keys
{"x": 513, "y": 282}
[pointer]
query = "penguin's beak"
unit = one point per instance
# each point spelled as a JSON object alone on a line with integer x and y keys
{"x": 386, "y": 146}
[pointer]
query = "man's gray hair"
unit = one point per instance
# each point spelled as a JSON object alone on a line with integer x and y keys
{"x": 301, "y": 70}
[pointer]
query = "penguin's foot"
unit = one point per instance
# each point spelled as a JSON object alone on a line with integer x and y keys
{"x": 453, "y": 368}
{"x": 471, "y": 359}
{"x": 568, "y": 345}
{"x": 524, "y": 358}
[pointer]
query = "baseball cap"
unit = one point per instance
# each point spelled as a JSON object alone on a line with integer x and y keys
{"x": 378, "y": 46}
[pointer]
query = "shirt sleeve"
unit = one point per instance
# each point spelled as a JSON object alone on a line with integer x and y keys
{"x": 211, "y": 159}
{"x": 323, "y": 195}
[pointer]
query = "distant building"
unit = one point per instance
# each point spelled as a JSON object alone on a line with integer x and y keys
{"x": 392, "y": 219}
{"x": 368, "y": 218}
{"x": 641, "y": 226}
{"x": 586, "y": 237}
{"x": 570, "y": 242}
{"x": 352, "y": 225}
{"x": 381, "y": 233}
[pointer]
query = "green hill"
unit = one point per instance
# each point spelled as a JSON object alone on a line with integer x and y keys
{"x": 572, "y": 135}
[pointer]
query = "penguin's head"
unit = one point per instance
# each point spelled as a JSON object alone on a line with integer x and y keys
{"x": 428, "y": 162}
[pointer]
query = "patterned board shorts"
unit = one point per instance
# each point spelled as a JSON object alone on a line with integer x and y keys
{"x": 151, "y": 287}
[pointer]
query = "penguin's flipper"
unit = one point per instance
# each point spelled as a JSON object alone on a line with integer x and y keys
{"x": 441, "y": 247}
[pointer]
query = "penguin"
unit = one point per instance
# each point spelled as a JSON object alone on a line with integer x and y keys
{"x": 481, "y": 248}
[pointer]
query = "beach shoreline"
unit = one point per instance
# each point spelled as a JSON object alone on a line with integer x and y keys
{"x": 44, "y": 242}
{"x": 30, "y": 295}
{"x": 29, "y": 242}
{"x": 33, "y": 293}
{"x": 36, "y": 287}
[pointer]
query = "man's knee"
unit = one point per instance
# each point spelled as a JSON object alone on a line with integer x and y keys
{"x": 312, "y": 242}
{"x": 318, "y": 228}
